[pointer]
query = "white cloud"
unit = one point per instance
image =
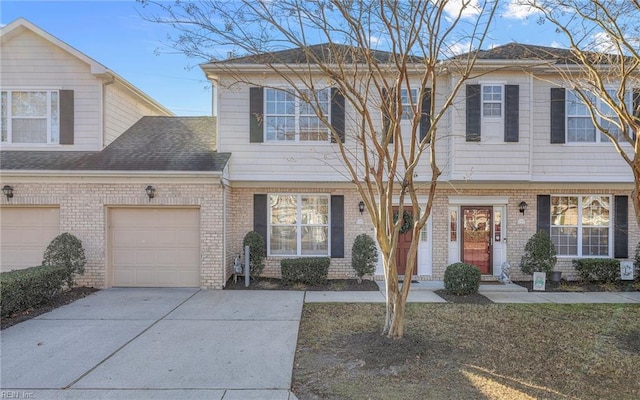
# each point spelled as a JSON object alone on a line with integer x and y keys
{"x": 469, "y": 8}
{"x": 459, "y": 48}
{"x": 520, "y": 9}
{"x": 557, "y": 45}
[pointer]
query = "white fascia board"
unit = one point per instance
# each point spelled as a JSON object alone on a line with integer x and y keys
{"x": 151, "y": 174}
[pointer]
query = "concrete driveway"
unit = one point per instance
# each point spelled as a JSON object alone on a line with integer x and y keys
{"x": 156, "y": 344}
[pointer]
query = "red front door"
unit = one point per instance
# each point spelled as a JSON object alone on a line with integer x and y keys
{"x": 476, "y": 237}
{"x": 404, "y": 242}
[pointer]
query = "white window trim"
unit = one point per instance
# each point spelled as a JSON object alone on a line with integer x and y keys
{"x": 296, "y": 116}
{"x": 598, "y": 134}
{"x": 299, "y": 225}
{"x": 501, "y": 102}
{"x": 579, "y": 227}
{"x": 50, "y": 141}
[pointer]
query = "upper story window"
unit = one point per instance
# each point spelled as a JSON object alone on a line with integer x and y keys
{"x": 408, "y": 102}
{"x": 581, "y": 225}
{"x": 580, "y": 126}
{"x": 30, "y": 117}
{"x": 492, "y": 101}
{"x": 290, "y": 119}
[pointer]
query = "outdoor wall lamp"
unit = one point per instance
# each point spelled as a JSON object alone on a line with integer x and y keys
{"x": 361, "y": 207}
{"x": 151, "y": 192}
{"x": 523, "y": 207}
{"x": 8, "y": 191}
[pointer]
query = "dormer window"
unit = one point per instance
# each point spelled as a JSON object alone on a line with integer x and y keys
{"x": 30, "y": 116}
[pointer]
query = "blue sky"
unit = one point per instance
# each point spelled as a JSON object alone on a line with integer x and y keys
{"x": 113, "y": 33}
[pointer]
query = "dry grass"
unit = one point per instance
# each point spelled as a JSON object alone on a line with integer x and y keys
{"x": 466, "y": 351}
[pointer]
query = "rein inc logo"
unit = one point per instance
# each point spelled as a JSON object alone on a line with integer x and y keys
{"x": 9, "y": 394}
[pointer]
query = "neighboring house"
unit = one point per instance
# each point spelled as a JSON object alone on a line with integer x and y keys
{"x": 80, "y": 147}
{"x": 513, "y": 139}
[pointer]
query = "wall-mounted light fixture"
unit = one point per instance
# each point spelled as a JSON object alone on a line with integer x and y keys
{"x": 523, "y": 207}
{"x": 151, "y": 192}
{"x": 8, "y": 191}
{"x": 361, "y": 207}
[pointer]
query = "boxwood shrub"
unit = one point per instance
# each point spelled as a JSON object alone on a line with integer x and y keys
{"x": 309, "y": 270}
{"x": 31, "y": 287}
{"x": 605, "y": 270}
{"x": 462, "y": 279}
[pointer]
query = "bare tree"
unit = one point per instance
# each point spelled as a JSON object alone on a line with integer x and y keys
{"x": 603, "y": 68}
{"x": 373, "y": 53}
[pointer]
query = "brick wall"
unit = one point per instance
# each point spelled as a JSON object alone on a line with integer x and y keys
{"x": 84, "y": 208}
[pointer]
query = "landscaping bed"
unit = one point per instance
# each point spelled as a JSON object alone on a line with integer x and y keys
{"x": 66, "y": 297}
{"x": 581, "y": 286}
{"x": 277, "y": 284}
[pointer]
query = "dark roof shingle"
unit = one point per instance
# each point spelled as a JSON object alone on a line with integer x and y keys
{"x": 151, "y": 144}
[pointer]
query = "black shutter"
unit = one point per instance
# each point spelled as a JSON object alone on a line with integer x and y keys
{"x": 621, "y": 227}
{"x": 425, "y": 118}
{"x": 386, "y": 120}
{"x": 337, "y": 226}
{"x": 256, "y": 117}
{"x": 512, "y": 113}
{"x": 66, "y": 117}
{"x": 337, "y": 114}
{"x": 558, "y": 115}
{"x": 473, "y": 113}
{"x": 260, "y": 213}
{"x": 544, "y": 213}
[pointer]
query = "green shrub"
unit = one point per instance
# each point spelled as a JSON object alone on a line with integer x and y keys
{"x": 605, "y": 270}
{"x": 636, "y": 262}
{"x": 31, "y": 287}
{"x": 312, "y": 271}
{"x": 257, "y": 253}
{"x": 364, "y": 255}
{"x": 539, "y": 255}
{"x": 462, "y": 279}
{"x": 66, "y": 250}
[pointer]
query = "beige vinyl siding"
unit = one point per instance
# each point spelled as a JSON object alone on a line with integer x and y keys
{"x": 123, "y": 110}
{"x": 31, "y": 62}
{"x": 491, "y": 158}
{"x": 590, "y": 162}
{"x": 269, "y": 161}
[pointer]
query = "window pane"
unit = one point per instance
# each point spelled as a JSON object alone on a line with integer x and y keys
{"x": 315, "y": 240}
{"x": 283, "y": 240}
{"x": 595, "y": 242}
{"x": 595, "y": 211}
{"x": 564, "y": 210}
{"x": 3, "y": 115}
{"x": 284, "y": 209}
{"x": 55, "y": 120}
{"x": 315, "y": 210}
{"x": 565, "y": 240}
{"x": 29, "y": 104}
{"x": 580, "y": 129}
{"x": 29, "y": 130}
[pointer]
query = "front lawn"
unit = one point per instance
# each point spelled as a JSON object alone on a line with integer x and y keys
{"x": 470, "y": 351}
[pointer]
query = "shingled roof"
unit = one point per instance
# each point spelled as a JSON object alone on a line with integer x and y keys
{"x": 151, "y": 144}
{"x": 520, "y": 51}
{"x": 326, "y": 52}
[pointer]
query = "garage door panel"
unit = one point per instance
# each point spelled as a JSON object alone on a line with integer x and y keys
{"x": 155, "y": 247}
{"x": 25, "y": 234}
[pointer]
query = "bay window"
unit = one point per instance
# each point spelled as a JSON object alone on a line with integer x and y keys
{"x": 581, "y": 225}
{"x": 29, "y": 117}
{"x": 298, "y": 224}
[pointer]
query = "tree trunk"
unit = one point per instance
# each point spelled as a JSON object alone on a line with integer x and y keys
{"x": 635, "y": 195}
{"x": 394, "y": 319}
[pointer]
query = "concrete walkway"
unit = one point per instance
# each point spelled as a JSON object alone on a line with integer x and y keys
{"x": 189, "y": 343}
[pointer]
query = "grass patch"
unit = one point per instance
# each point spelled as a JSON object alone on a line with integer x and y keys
{"x": 554, "y": 351}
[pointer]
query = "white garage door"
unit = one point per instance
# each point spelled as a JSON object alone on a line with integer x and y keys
{"x": 157, "y": 247}
{"x": 25, "y": 234}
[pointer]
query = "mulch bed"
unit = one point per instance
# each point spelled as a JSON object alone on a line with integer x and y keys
{"x": 475, "y": 298}
{"x": 580, "y": 286}
{"x": 276, "y": 284}
{"x": 62, "y": 299}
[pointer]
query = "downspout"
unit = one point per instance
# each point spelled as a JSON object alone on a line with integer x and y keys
{"x": 224, "y": 233}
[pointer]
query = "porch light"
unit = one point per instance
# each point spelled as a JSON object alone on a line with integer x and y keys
{"x": 361, "y": 207}
{"x": 151, "y": 192}
{"x": 523, "y": 207}
{"x": 8, "y": 191}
